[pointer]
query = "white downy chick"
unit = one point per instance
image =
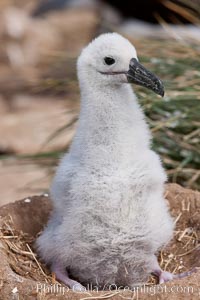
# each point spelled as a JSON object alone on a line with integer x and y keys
{"x": 110, "y": 217}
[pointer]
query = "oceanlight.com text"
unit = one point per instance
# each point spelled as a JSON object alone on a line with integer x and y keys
{"x": 44, "y": 288}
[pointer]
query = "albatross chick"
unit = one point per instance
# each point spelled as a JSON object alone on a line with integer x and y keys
{"x": 110, "y": 217}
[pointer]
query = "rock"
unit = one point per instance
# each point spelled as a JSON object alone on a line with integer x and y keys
{"x": 28, "y": 41}
{"x": 26, "y": 218}
{"x": 34, "y": 120}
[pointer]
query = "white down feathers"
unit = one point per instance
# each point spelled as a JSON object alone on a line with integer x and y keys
{"x": 110, "y": 216}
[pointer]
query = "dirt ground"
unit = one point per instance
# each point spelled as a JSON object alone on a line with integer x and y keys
{"x": 24, "y": 276}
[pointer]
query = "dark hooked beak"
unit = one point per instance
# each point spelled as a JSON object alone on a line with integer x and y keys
{"x": 139, "y": 75}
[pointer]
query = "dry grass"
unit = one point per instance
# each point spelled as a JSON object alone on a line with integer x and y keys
{"x": 21, "y": 256}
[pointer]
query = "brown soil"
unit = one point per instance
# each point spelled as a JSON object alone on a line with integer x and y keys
{"x": 23, "y": 276}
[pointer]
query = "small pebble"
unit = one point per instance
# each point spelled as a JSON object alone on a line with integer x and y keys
{"x": 15, "y": 290}
{"x": 27, "y": 200}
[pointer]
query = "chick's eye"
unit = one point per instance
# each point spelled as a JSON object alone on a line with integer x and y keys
{"x": 109, "y": 60}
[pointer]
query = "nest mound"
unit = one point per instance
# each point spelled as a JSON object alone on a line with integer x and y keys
{"x": 23, "y": 276}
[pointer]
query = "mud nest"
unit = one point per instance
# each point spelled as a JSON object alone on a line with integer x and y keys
{"x": 22, "y": 221}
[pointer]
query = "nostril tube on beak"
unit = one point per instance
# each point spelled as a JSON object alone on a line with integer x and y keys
{"x": 139, "y": 75}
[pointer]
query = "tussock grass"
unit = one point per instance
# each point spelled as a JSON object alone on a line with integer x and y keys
{"x": 175, "y": 119}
